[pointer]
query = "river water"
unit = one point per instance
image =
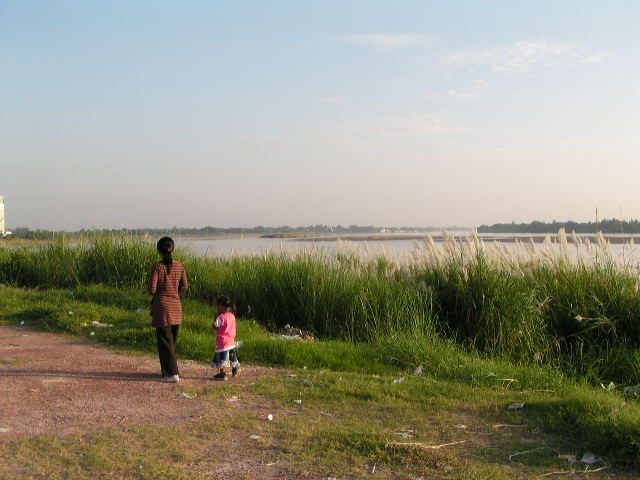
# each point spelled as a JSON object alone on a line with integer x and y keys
{"x": 391, "y": 245}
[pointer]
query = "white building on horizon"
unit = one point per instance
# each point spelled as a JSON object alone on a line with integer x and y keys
{"x": 3, "y": 232}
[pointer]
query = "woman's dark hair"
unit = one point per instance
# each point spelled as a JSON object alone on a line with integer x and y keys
{"x": 165, "y": 248}
{"x": 224, "y": 301}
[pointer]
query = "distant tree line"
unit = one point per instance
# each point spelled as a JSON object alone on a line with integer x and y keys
{"x": 263, "y": 230}
{"x": 605, "y": 226}
{"x": 27, "y": 233}
{"x": 284, "y": 229}
{"x": 209, "y": 230}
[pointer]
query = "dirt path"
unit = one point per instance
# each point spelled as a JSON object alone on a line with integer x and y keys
{"x": 54, "y": 384}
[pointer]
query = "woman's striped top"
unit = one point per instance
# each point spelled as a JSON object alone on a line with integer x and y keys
{"x": 165, "y": 288}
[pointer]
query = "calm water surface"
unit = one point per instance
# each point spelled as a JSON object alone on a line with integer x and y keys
{"x": 251, "y": 245}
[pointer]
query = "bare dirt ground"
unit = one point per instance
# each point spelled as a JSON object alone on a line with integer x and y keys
{"x": 52, "y": 384}
{"x": 55, "y": 384}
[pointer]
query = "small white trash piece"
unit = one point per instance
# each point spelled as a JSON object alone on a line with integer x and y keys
{"x": 516, "y": 406}
{"x": 419, "y": 371}
{"x": 298, "y": 402}
{"x": 589, "y": 459}
{"x": 254, "y": 437}
{"x": 184, "y": 395}
{"x": 22, "y": 322}
{"x": 399, "y": 380}
{"x": 92, "y": 333}
{"x": 270, "y": 417}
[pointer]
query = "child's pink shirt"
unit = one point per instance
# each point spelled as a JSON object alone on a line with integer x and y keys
{"x": 225, "y": 326}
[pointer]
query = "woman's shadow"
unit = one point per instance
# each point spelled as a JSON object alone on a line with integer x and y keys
{"x": 123, "y": 376}
{"x": 118, "y": 376}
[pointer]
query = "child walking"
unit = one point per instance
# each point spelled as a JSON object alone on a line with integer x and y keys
{"x": 226, "y": 355}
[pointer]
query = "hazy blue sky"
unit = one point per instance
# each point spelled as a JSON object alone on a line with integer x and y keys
{"x": 192, "y": 113}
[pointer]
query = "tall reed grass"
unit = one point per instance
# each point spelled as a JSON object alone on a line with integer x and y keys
{"x": 573, "y": 307}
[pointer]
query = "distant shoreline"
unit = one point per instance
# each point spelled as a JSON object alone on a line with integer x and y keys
{"x": 487, "y": 238}
{"x": 364, "y": 237}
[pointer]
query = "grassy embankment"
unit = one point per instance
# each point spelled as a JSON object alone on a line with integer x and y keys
{"x": 489, "y": 328}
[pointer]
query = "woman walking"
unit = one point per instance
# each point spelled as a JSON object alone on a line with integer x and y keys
{"x": 168, "y": 280}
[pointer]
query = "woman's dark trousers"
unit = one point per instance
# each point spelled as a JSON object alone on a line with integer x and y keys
{"x": 167, "y": 342}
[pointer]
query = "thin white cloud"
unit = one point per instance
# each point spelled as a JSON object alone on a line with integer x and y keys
{"x": 523, "y": 56}
{"x": 468, "y": 94}
{"x": 459, "y": 95}
{"x": 386, "y": 41}
{"x": 327, "y": 100}
{"x": 440, "y": 95}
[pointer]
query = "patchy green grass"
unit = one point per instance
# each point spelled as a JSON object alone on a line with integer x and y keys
{"x": 137, "y": 452}
{"x": 350, "y": 413}
{"x": 325, "y": 424}
{"x": 364, "y": 414}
